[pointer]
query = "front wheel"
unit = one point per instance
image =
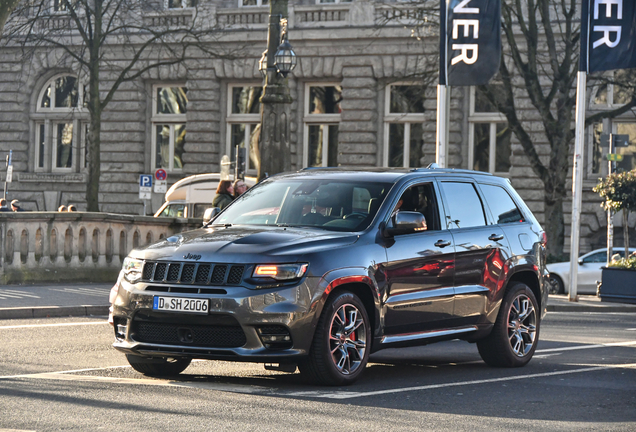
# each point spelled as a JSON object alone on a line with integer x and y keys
{"x": 158, "y": 366}
{"x": 555, "y": 285}
{"x": 340, "y": 349}
{"x": 515, "y": 334}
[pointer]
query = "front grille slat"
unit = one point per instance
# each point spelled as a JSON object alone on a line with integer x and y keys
{"x": 198, "y": 274}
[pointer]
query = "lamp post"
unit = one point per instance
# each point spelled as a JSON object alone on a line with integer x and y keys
{"x": 276, "y": 63}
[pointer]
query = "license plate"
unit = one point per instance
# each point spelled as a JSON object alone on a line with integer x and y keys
{"x": 180, "y": 304}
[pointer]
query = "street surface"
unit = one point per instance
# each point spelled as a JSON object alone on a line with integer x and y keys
{"x": 62, "y": 373}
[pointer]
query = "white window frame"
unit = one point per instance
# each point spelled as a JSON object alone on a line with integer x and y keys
{"x": 401, "y": 118}
{"x": 52, "y": 116}
{"x": 165, "y": 119}
{"x": 492, "y": 119}
{"x": 324, "y": 120}
{"x": 259, "y": 3}
{"x": 234, "y": 118}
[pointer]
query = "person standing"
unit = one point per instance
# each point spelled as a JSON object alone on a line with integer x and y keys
{"x": 15, "y": 206}
{"x": 224, "y": 194}
{"x": 3, "y": 205}
{"x": 240, "y": 187}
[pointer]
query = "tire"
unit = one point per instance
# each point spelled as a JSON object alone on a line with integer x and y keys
{"x": 555, "y": 284}
{"x": 341, "y": 345}
{"x": 513, "y": 341}
{"x": 158, "y": 366}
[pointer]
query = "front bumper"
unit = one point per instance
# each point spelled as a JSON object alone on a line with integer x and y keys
{"x": 234, "y": 328}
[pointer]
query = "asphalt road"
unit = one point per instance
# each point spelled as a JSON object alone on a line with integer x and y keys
{"x": 62, "y": 374}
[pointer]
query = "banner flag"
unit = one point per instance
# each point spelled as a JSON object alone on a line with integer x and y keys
{"x": 608, "y": 35}
{"x": 470, "y": 41}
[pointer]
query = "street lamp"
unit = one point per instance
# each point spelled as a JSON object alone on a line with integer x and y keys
{"x": 277, "y": 61}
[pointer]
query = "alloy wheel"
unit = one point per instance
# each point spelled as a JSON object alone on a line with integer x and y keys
{"x": 522, "y": 325}
{"x": 347, "y": 339}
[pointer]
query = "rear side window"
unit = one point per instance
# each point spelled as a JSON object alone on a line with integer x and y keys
{"x": 502, "y": 206}
{"x": 463, "y": 205}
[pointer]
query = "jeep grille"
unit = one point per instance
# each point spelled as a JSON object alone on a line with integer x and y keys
{"x": 192, "y": 273}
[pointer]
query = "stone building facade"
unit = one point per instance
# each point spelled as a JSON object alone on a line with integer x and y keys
{"x": 357, "y": 101}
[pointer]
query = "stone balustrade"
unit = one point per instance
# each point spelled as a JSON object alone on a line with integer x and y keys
{"x": 78, "y": 246}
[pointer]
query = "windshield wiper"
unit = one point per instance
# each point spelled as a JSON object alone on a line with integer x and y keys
{"x": 226, "y": 225}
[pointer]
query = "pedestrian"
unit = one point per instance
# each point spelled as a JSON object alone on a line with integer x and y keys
{"x": 71, "y": 208}
{"x": 240, "y": 187}
{"x": 224, "y": 194}
{"x": 61, "y": 208}
{"x": 15, "y": 206}
{"x": 3, "y": 205}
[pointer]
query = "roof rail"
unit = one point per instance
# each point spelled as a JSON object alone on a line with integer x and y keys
{"x": 435, "y": 167}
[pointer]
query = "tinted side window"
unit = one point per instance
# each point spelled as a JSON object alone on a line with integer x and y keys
{"x": 503, "y": 207}
{"x": 421, "y": 198}
{"x": 598, "y": 257}
{"x": 463, "y": 205}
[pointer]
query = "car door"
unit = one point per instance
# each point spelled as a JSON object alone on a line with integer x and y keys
{"x": 589, "y": 271}
{"x": 480, "y": 250}
{"x": 419, "y": 269}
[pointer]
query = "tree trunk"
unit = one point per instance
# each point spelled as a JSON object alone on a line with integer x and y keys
{"x": 554, "y": 225}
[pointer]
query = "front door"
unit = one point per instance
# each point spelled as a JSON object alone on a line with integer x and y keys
{"x": 419, "y": 270}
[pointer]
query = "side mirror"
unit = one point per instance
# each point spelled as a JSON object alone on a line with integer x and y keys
{"x": 580, "y": 261}
{"x": 406, "y": 222}
{"x": 210, "y": 214}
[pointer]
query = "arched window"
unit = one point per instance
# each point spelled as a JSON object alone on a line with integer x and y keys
{"x": 61, "y": 120}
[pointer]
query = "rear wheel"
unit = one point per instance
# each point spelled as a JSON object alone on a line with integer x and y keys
{"x": 515, "y": 334}
{"x": 158, "y": 366}
{"x": 340, "y": 349}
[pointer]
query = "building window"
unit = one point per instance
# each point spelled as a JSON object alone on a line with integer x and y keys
{"x": 59, "y": 120}
{"x": 489, "y": 137}
{"x": 403, "y": 125}
{"x": 169, "y": 110}
{"x": 322, "y": 118}
{"x": 244, "y": 3}
{"x": 613, "y": 95}
{"x": 63, "y": 6}
{"x": 597, "y": 163}
{"x": 181, "y": 4}
{"x": 243, "y": 122}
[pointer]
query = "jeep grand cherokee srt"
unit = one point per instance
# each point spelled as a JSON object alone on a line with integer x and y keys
{"x": 322, "y": 267}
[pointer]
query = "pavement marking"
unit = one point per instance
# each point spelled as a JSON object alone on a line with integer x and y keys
{"x": 351, "y": 395}
{"x": 95, "y": 292}
{"x": 15, "y": 294}
{"x": 53, "y": 325}
{"x": 580, "y": 347}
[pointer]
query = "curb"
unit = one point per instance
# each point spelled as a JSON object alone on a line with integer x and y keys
{"x": 52, "y": 311}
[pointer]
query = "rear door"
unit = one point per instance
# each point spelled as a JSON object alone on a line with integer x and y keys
{"x": 480, "y": 250}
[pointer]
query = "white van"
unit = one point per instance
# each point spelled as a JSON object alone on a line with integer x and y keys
{"x": 190, "y": 196}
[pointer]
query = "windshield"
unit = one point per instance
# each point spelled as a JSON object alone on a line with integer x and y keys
{"x": 334, "y": 205}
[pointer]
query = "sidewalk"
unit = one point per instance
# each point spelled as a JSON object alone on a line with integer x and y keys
{"x": 64, "y": 300}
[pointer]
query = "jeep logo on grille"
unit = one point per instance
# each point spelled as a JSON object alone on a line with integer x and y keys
{"x": 194, "y": 257}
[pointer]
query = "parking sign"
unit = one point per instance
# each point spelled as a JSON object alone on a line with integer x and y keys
{"x": 145, "y": 186}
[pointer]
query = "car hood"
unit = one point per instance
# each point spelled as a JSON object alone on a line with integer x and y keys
{"x": 243, "y": 244}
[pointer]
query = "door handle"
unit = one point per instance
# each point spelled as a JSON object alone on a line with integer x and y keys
{"x": 442, "y": 243}
{"x": 496, "y": 237}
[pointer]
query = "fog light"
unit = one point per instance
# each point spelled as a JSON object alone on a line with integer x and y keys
{"x": 275, "y": 336}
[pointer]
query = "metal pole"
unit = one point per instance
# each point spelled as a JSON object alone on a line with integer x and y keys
{"x": 610, "y": 215}
{"x": 442, "y": 124}
{"x": 577, "y": 183}
{"x": 275, "y": 155}
{"x": 5, "y": 177}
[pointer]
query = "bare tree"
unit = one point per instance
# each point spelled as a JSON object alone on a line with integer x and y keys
{"x": 90, "y": 32}
{"x": 539, "y": 63}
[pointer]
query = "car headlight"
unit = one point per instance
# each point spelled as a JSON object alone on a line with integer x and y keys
{"x": 132, "y": 269}
{"x": 280, "y": 272}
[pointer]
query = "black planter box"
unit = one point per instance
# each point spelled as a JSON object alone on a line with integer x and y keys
{"x": 618, "y": 285}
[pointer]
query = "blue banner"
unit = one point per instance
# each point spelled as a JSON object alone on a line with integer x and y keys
{"x": 470, "y": 41}
{"x": 608, "y": 35}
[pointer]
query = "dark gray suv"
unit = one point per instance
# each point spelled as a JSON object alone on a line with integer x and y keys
{"x": 320, "y": 268}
